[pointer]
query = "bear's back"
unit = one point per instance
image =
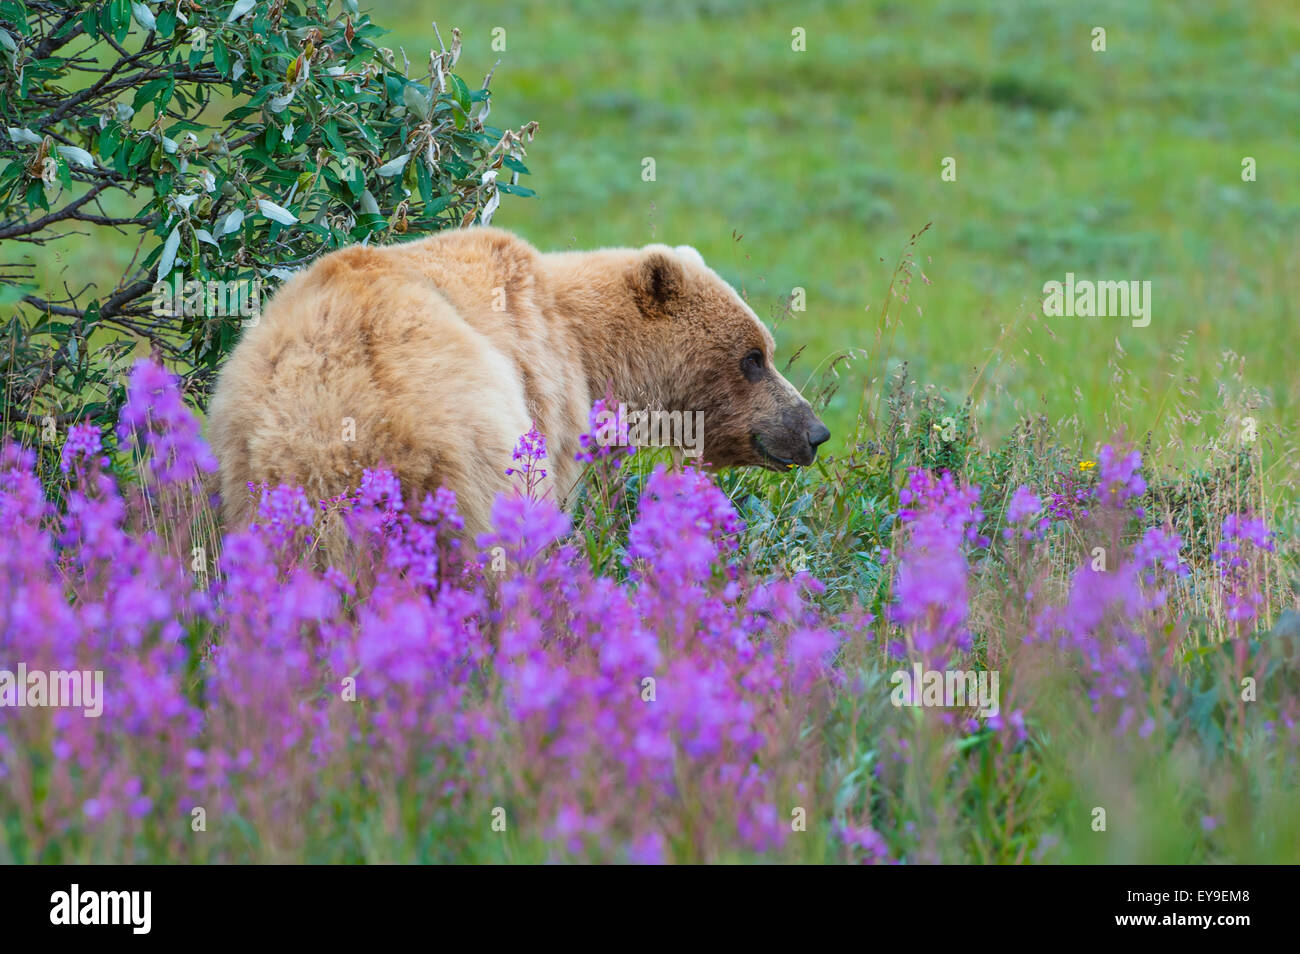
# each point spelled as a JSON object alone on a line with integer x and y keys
{"x": 407, "y": 356}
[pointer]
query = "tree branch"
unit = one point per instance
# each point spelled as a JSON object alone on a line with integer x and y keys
{"x": 68, "y": 211}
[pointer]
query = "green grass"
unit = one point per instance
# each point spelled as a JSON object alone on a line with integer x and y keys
{"x": 1115, "y": 165}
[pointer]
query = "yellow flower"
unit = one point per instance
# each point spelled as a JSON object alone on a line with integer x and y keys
{"x": 1086, "y": 465}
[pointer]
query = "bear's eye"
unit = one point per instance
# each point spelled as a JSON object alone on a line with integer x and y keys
{"x": 751, "y": 365}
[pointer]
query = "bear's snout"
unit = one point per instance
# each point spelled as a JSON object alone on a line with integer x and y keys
{"x": 818, "y": 435}
{"x": 792, "y": 442}
{"x": 808, "y": 433}
{"x": 814, "y": 435}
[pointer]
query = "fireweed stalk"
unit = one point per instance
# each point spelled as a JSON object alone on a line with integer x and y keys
{"x": 499, "y": 699}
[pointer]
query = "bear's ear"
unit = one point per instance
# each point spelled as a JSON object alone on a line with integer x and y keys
{"x": 690, "y": 253}
{"x": 656, "y": 277}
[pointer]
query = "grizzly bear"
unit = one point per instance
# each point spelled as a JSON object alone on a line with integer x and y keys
{"x": 433, "y": 357}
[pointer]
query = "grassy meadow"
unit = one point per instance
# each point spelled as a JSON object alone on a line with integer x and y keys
{"x": 1104, "y": 514}
{"x": 812, "y": 169}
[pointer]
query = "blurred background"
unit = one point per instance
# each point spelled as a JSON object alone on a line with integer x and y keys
{"x": 813, "y": 169}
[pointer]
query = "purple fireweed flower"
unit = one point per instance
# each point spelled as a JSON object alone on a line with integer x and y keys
{"x": 808, "y": 654}
{"x": 421, "y": 548}
{"x": 1024, "y": 504}
{"x": 648, "y": 849}
{"x": 1071, "y": 502}
{"x": 440, "y": 510}
{"x": 83, "y": 448}
{"x": 78, "y": 591}
{"x": 1101, "y": 623}
{"x": 529, "y": 453}
{"x": 628, "y": 713}
{"x": 1119, "y": 480}
{"x": 380, "y": 489}
{"x": 155, "y": 417}
{"x": 285, "y": 515}
{"x": 1022, "y": 510}
{"x": 930, "y": 592}
{"x": 684, "y": 522}
{"x": 1159, "y": 547}
{"x": 530, "y": 449}
{"x": 1243, "y": 539}
{"x": 606, "y": 435}
{"x": 863, "y": 842}
{"x": 1239, "y": 527}
{"x": 524, "y": 528}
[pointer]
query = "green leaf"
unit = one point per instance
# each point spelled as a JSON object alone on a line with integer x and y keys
{"x": 425, "y": 181}
{"x": 460, "y": 92}
{"x": 140, "y": 152}
{"x": 439, "y": 204}
{"x": 221, "y": 57}
{"x": 514, "y": 165}
{"x": 110, "y": 138}
{"x": 334, "y": 137}
{"x": 36, "y": 195}
{"x": 147, "y": 92}
{"x": 89, "y": 21}
{"x": 354, "y": 177}
{"x": 11, "y": 172}
{"x": 121, "y": 19}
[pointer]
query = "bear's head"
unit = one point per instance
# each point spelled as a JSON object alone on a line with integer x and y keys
{"x": 717, "y": 359}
